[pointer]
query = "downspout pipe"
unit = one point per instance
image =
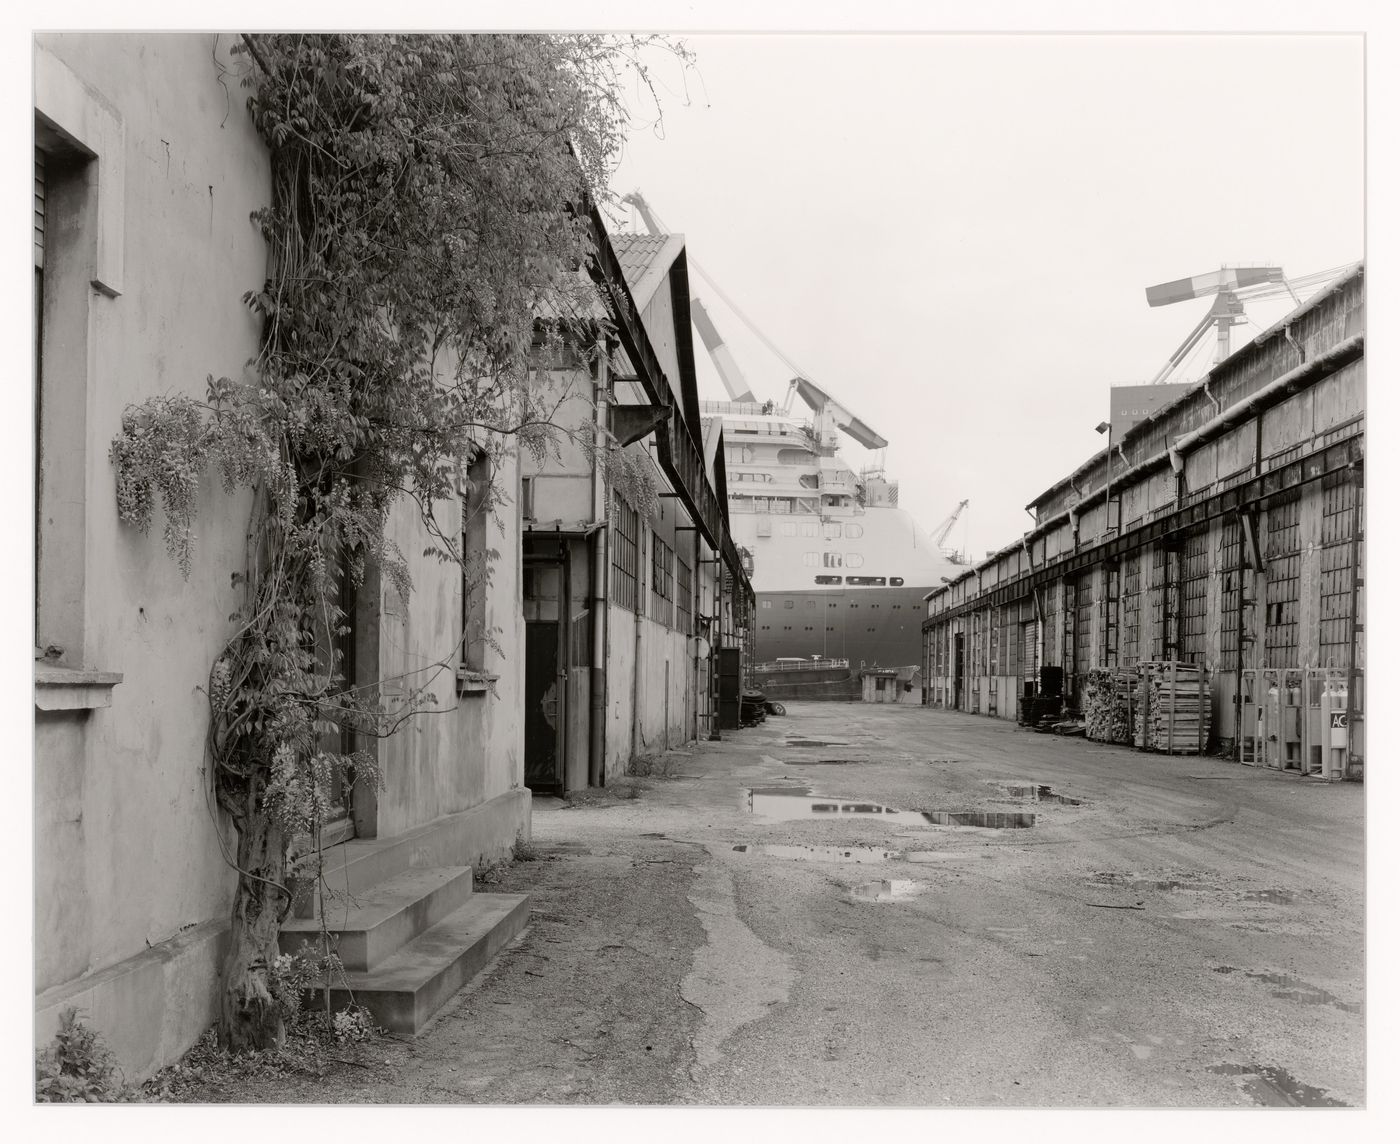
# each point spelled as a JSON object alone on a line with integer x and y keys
{"x": 602, "y": 543}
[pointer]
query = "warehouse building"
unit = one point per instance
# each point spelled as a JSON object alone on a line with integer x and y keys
{"x": 1226, "y": 530}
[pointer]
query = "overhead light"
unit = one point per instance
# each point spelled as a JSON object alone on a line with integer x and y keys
{"x": 1102, "y": 427}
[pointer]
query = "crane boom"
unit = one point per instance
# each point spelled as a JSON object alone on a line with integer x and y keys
{"x": 725, "y": 365}
{"x": 941, "y": 533}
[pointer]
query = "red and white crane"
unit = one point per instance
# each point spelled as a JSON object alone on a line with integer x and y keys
{"x": 1231, "y": 287}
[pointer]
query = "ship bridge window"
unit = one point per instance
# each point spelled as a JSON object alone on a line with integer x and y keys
{"x": 854, "y": 531}
{"x": 809, "y": 559}
{"x": 831, "y": 559}
{"x": 854, "y": 560}
{"x": 828, "y": 580}
{"x": 809, "y": 528}
{"x": 896, "y": 581}
{"x": 807, "y": 480}
{"x": 831, "y": 531}
{"x": 867, "y": 581}
{"x": 788, "y": 528}
{"x": 793, "y": 457}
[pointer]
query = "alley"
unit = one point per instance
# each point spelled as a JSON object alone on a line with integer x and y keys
{"x": 756, "y": 923}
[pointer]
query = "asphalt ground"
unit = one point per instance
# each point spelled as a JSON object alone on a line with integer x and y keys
{"x": 773, "y": 920}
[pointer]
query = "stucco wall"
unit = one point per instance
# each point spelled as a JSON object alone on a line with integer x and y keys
{"x": 472, "y": 747}
{"x": 126, "y": 851}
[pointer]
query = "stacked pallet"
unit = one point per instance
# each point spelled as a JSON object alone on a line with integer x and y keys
{"x": 1108, "y": 693}
{"x": 1175, "y": 712}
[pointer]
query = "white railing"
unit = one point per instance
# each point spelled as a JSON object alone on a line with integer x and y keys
{"x": 798, "y": 665}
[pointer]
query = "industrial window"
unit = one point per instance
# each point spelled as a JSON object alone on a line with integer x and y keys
{"x": 765, "y": 603}
{"x": 624, "y": 562}
{"x": 662, "y": 582}
{"x": 1112, "y": 578}
{"x": 476, "y": 510}
{"x": 683, "y": 591}
{"x": 1195, "y": 577}
{"x": 1083, "y": 625}
{"x": 787, "y": 603}
{"x": 1281, "y": 598}
{"x": 1162, "y": 601}
{"x": 1231, "y": 573}
{"x": 1131, "y": 610}
{"x": 1335, "y": 589}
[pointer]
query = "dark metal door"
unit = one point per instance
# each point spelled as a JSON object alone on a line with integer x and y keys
{"x": 958, "y": 671}
{"x": 728, "y": 688}
{"x": 542, "y": 706}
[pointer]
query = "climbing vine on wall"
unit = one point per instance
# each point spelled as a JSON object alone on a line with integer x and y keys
{"x": 423, "y": 246}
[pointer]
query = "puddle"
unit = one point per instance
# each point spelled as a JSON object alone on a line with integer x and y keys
{"x": 789, "y": 804}
{"x": 886, "y": 890}
{"x": 1279, "y": 897}
{"x": 1165, "y": 885}
{"x": 1288, "y": 988}
{"x": 823, "y": 762}
{"x": 855, "y": 854}
{"x": 987, "y": 819}
{"x": 813, "y": 743}
{"x": 1274, "y": 1087}
{"x": 1036, "y": 793}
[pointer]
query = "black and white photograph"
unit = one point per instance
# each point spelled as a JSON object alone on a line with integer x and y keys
{"x": 780, "y": 559}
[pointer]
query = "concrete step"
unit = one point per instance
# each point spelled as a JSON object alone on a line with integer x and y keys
{"x": 369, "y": 926}
{"x": 409, "y": 986}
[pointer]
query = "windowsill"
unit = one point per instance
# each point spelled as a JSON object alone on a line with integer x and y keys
{"x": 72, "y": 688}
{"x": 471, "y": 682}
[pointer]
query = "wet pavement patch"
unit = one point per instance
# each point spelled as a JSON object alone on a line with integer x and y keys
{"x": 1277, "y": 897}
{"x": 823, "y": 762}
{"x": 857, "y": 854}
{"x": 1274, "y": 1087}
{"x": 789, "y": 804}
{"x": 1164, "y": 885}
{"x": 885, "y": 890}
{"x": 1290, "y": 988}
{"x": 813, "y": 743}
{"x": 1036, "y": 792}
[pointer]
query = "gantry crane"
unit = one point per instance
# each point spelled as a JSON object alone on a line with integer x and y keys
{"x": 1231, "y": 287}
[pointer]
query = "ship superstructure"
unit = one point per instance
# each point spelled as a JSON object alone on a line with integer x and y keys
{"x": 839, "y": 569}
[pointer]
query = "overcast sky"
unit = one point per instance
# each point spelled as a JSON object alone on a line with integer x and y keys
{"x": 954, "y": 233}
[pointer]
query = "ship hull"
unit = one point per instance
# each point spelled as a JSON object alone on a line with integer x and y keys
{"x": 867, "y": 626}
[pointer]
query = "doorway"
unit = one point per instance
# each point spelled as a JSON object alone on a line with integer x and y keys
{"x": 958, "y": 680}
